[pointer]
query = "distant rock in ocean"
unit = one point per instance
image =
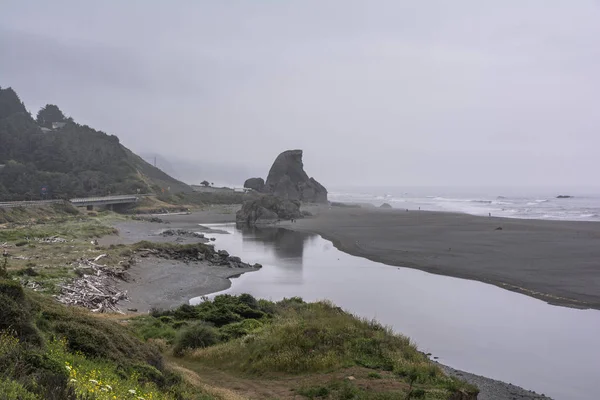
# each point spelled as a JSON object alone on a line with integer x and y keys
{"x": 288, "y": 180}
{"x": 257, "y": 184}
{"x": 385, "y": 205}
{"x": 564, "y": 196}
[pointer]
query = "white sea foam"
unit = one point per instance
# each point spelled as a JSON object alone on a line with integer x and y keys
{"x": 523, "y": 205}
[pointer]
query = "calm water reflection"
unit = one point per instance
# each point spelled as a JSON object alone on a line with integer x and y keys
{"x": 470, "y": 325}
{"x": 286, "y": 244}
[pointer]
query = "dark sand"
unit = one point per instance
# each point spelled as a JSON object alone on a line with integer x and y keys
{"x": 556, "y": 261}
{"x": 166, "y": 284}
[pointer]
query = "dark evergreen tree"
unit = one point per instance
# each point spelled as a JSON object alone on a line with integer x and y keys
{"x": 49, "y": 114}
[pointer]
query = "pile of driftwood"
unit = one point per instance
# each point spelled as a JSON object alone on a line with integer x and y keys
{"x": 94, "y": 290}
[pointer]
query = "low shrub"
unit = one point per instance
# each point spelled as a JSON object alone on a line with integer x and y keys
{"x": 12, "y": 289}
{"x": 221, "y": 316}
{"x": 11, "y": 390}
{"x": 196, "y": 336}
{"x": 239, "y": 329}
{"x": 15, "y": 313}
{"x": 153, "y": 328}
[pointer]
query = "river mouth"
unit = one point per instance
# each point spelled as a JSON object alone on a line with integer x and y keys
{"x": 469, "y": 325}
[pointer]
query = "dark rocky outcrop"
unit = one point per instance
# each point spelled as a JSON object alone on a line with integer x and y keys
{"x": 267, "y": 209}
{"x": 190, "y": 253}
{"x": 257, "y": 184}
{"x": 288, "y": 180}
{"x": 182, "y": 232}
{"x": 564, "y": 196}
{"x": 385, "y": 205}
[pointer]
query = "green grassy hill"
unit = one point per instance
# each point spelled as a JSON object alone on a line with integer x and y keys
{"x": 296, "y": 350}
{"x": 73, "y": 161}
{"x": 52, "y": 352}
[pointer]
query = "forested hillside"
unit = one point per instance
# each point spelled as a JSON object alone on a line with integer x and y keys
{"x": 71, "y": 161}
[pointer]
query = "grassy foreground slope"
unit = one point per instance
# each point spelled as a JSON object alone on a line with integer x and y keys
{"x": 292, "y": 349}
{"x": 52, "y": 352}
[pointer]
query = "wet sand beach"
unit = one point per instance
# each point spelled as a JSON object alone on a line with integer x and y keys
{"x": 556, "y": 261}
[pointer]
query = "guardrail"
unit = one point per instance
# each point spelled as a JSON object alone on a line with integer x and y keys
{"x": 80, "y": 202}
{"x": 34, "y": 203}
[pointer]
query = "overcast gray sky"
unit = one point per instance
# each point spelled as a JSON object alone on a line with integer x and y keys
{"x": 379, "y": 92}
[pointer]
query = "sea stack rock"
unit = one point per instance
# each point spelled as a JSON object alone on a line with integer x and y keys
{"x": 267, "y": 210}
{"x": 288, "y": 180}
{"x": 257, "y": 184}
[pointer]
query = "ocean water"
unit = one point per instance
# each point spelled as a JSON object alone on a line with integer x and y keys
{"x": 584, "y": 205}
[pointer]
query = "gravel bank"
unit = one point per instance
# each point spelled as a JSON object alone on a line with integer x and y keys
{"x": 491, "y": 389}
{"x": 162, "y": 283}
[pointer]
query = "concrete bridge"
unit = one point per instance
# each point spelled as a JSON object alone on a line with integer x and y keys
{"x": 90, "y": 202}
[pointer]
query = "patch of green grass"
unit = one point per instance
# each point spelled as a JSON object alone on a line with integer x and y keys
{"x": 312, "y": 338}
{"x": 153, "y": 328}
{"x": 374, "y": 375}
{"x": 68, "y": 228}
{"x": 346, "y": 390}
{"x": 315, "y": 392}
{"x": 20, "y": 215}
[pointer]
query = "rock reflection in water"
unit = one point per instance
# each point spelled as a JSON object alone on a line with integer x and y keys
{"x": 288, "y": 246}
